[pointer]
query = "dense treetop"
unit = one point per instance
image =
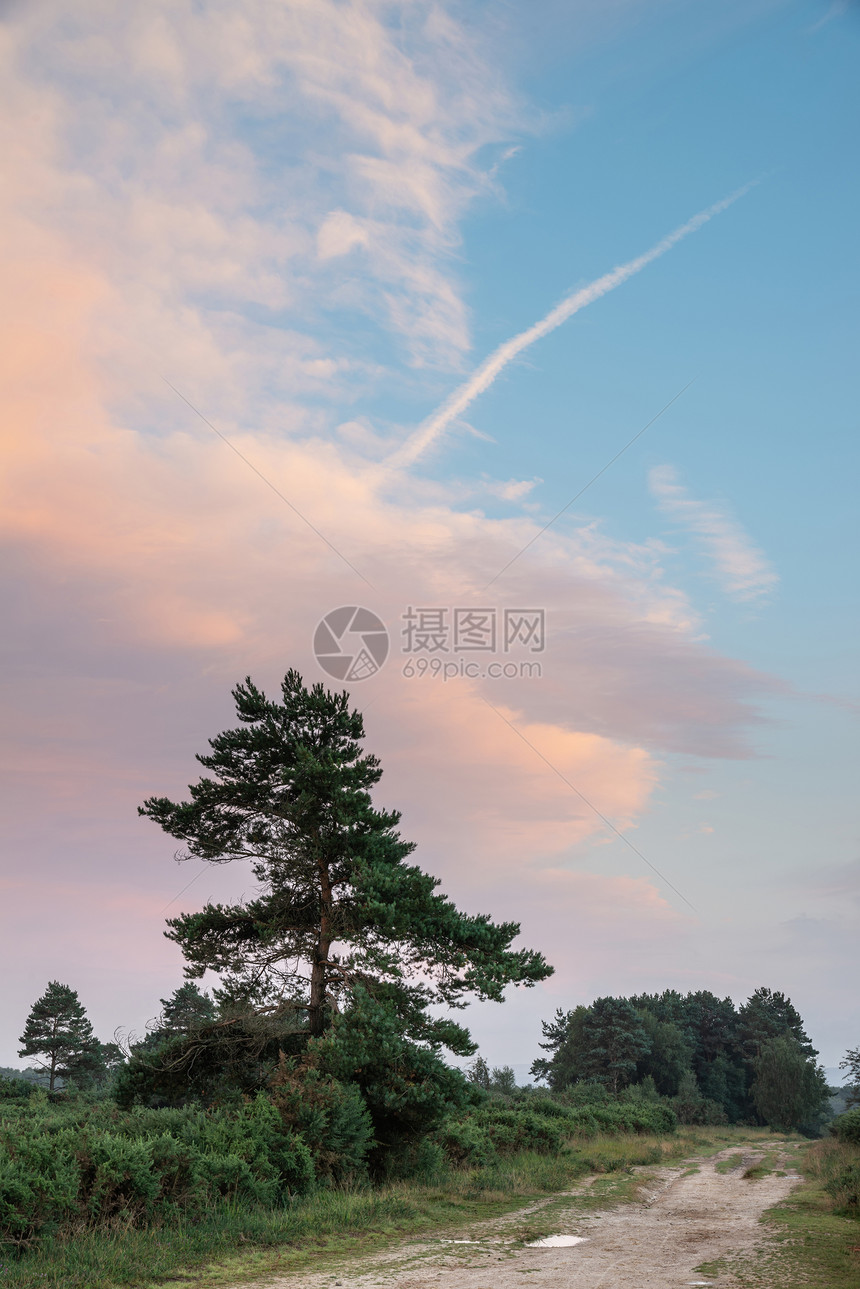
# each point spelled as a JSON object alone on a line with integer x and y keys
{"x": 717, "y": 1062}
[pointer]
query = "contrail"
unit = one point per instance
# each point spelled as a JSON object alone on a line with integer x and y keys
{"x": 456, "y": 403}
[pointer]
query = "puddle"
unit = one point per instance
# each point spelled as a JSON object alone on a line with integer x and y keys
{"x": 557, "y": 1242}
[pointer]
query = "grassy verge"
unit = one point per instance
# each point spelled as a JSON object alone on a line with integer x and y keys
{"x": 239, "y": 1242}
{"x": 814, "y": 1245}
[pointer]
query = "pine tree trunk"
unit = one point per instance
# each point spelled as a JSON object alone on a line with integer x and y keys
{"x": 316, "y": 1010}
{"x": 54, "y": 1027}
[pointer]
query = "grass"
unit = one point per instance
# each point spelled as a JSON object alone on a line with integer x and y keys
{"x": 714, "y": 1268}
{"x": 813, "y": 1245}
{"x": 761, "y": 1167}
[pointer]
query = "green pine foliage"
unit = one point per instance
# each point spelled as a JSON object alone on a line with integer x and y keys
{"x": 342, "y": 958}
{"x": 186, "y": 1009}
{"x": 713, "y": 1063}
{"x": 331, "y": 1117}
{"x": 613, "y": 1040}
{"x": 479, "y": 1073}
{"x": 59, "y": 1035}
{"x": 338, "y": 908}
{"x": 210, "y": 1063}
{"x": 407, "y": 1088}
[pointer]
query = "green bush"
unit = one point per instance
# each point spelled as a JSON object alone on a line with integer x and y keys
{"x": 407, "y": 1088}
{"x": 541, "y": 1123}
{"x": 88, "y": 1163}
{"x": 209, "y": 1064}
{"x": 515, "y": 1128}
{"x": 623, "y": 1116}
{"x": 699, "y": 1110}
{"x": 331, "y": 1117}
{"x": 847, "y": 1127}
{"x": 466, "y": 1142}
{"x": 15, "y": 1089}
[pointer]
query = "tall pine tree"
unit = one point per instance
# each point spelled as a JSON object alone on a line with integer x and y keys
{"x": 338, "y": 910}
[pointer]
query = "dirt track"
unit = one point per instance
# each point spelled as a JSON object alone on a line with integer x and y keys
{"x": 680, "y": 1220}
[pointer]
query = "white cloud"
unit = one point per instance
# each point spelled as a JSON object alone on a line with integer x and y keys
{"x": 219, "y": 143}
{"x": 339, "y": 233}
{"x": 741, "y": 568}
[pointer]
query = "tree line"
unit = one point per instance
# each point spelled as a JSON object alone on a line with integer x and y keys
{"x": 715, "y": 1062}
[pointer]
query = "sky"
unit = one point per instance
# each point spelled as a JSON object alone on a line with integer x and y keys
{"x": 531, "y": 330}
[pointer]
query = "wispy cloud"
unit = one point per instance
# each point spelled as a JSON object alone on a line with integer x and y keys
{"x": 836, "y": 10}
{"x": 267, "y": 153}
{"x": 457, "y": 403}
{"x": 742, "y": 569}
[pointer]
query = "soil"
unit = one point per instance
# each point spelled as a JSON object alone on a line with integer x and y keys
{"x": 682, "y": 1217}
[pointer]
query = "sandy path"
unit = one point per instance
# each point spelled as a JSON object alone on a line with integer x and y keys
{"x": 681, "y": 1220}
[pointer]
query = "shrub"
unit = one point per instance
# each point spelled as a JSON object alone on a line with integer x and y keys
{"x": 331, "y": 1117}
{"x": 15, "y": 1089}
{"x": 466, "y": 1142}
{"x": 699, "y": 1110}
{"x": 847, "y": 1127}
{"x": 542, "y": 1123}
{"x": 407, "y": 1089}
{"x": 87, "y": 1163}
{"x": 210, "y": 1064}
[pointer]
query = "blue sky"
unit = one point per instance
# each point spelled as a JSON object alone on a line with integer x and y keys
{"x": 316, "y": 222}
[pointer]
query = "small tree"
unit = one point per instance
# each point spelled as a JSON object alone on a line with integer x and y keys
{"x": 59, "y": 1032}
{"x": 503, "y": 1079}
{"x": 186, "y": 1011}
{"x": 789, "y": 1089}
{"x": 479, "y": 1073}
{"x": 186, "y": 1008}
{"x": 851, "y": 1064}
